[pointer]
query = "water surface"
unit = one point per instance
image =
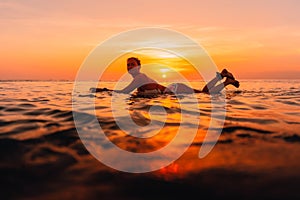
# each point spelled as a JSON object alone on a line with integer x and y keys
{"x": 257, "y": 154}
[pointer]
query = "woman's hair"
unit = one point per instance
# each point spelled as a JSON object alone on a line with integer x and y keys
{"x": 136, "y": 59}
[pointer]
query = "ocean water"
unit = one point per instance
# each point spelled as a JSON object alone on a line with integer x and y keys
{"x": 256, "y": 155}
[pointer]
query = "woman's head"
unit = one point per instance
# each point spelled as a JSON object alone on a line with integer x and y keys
{"x": 133, "y": 65}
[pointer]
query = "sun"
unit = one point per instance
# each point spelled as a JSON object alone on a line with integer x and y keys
{"x": 164, "y": 76}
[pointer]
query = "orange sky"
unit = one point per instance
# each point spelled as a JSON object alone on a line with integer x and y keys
{"x": 161, "y": 65}
{"x": 51, "y": 39}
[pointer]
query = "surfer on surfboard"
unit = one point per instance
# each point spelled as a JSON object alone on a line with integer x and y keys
{"x": 143, "y": 83}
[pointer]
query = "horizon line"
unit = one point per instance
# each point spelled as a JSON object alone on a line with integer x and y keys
{"x": 72, "y": 80}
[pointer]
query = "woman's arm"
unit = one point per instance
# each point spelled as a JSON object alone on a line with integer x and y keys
{"x": 139, "y": 81}
{"x": 99, "y": 89}
{"x": 135, "y": 83}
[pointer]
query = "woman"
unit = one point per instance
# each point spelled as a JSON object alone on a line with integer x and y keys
{"x": 145, "y": 84}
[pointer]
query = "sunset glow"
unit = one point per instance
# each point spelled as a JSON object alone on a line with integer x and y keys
{"x": 50, "y": 40}
{"x": 154, "y": 99}
{"x": 157, "y": 63}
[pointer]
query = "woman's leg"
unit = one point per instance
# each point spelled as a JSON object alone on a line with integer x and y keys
{"x": 221, "y": 86}
{"x": 211, "y": 87}
{"x": 180, "y": 88}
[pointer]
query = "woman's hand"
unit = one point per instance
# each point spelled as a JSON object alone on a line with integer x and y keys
{"x": 93, "y": 90}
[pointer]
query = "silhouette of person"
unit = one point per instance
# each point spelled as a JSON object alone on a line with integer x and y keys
{"x": 145, "y": 84}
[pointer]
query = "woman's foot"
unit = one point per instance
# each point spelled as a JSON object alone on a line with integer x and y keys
{"x": 236, "y": 84}
{"x": 233, "y": 82}
{"x": 227, "y": 74}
